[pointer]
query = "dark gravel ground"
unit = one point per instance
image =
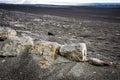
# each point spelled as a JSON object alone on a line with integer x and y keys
{"x": 102, "y": 39}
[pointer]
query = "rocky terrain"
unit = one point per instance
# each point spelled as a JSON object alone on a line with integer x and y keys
{"x": 102, "y": 39}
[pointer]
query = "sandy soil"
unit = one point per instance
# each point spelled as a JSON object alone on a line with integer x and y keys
{"x": 102, "y": 37}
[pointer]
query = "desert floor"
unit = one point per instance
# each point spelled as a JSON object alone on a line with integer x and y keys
{"x": 102, "y": 37}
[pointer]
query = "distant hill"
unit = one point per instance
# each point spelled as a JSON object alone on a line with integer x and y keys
{"x": 102, "y": 5}
{"x": 107, "y": 5}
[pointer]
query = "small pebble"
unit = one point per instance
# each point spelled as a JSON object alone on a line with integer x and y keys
{"x": 94, "y": 72}
{"x": 3, "y": 60}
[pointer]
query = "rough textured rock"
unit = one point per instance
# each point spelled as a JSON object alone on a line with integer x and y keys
{"x": 44, "y": 52}
{"x": 6, "y": 32}
{"x": 76, "y": 52}
{"x": 99, "y": 62}
{"x": 14, "y": 46}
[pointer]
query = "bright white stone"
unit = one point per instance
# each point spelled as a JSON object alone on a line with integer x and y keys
{"x": 75, "y": 52}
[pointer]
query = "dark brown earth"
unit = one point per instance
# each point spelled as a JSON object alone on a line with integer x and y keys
{"x": 101, "y": 36}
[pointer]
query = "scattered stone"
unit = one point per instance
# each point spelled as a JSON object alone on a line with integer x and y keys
{"x": 21, "y": 72}
{"x": 98, "y": 62}
{"x": 118, "y": 34}
{"x": 101, "y": 38}
{"x": 44, "y": 52}
{"x": 14, "y": 46}
{"x": 6, "y": 32}
{"x": 3, "y": 60}
{"x": 75, "y": 52}
{"x": 94, "y": 72}
{"x": 37, "y": 20}
{"x": 51, "y": 34}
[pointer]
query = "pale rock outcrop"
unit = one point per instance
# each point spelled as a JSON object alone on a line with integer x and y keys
{"x": 14, "y": 46}
{"x": 6, "y": 32}
{"x": 45, "y": 52}
{"x": 75, "y": 52}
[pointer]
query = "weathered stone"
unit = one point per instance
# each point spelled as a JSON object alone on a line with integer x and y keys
{"x": 14, "y": 46}
{"x": 99, "y": 62}
{"x": 6, "y": 32}
{"x": 75, "y": 52}
{"x": 44, "y": 52}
